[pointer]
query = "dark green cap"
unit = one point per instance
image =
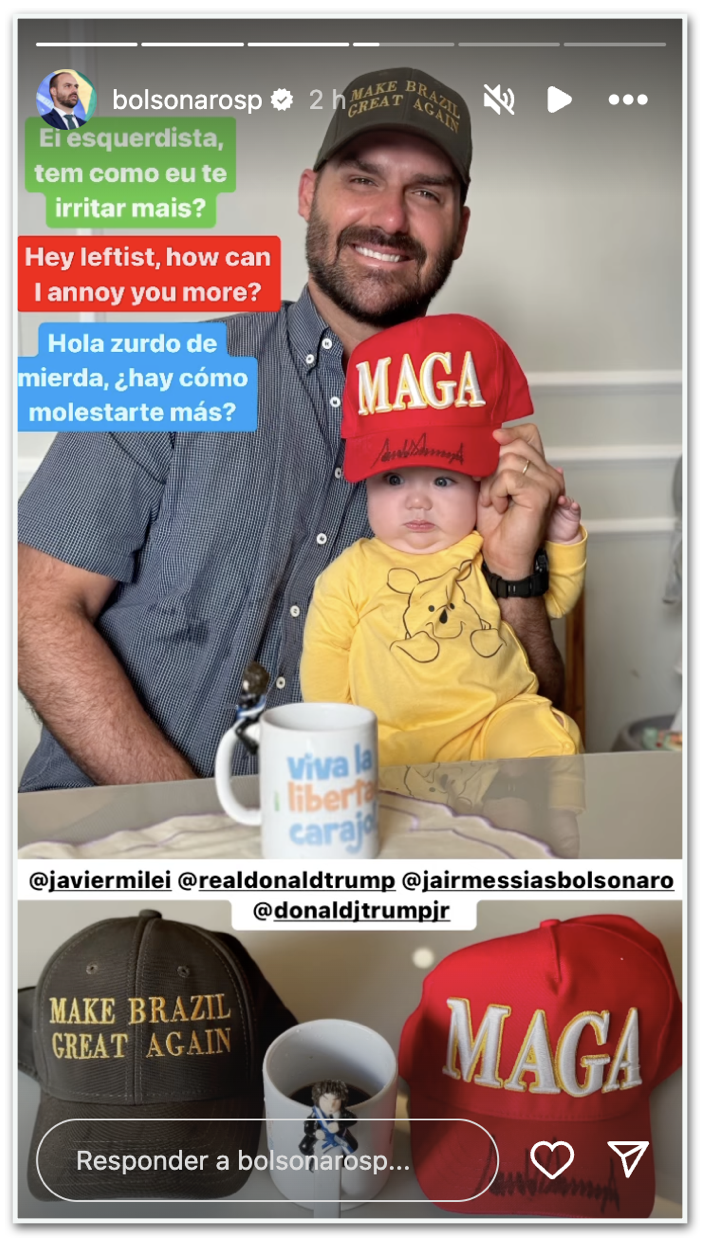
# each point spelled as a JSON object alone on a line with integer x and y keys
{"x": 406, "y": 99}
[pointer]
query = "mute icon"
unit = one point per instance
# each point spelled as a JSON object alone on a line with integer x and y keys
{"x": 630, "y": 1152}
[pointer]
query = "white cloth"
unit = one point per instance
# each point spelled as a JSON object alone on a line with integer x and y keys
{"x": 409, "y": 828}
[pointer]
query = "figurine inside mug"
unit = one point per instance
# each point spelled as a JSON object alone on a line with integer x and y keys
{"x": 328, "y": 1125}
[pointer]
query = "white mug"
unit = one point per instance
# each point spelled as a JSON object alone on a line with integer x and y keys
{"x": 318, "y": 781}
{"x": 332, "y": 1049}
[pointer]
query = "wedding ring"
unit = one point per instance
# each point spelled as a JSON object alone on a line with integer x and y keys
{"x": 525, "y": 470}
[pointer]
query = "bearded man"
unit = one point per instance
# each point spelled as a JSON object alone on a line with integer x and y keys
{"x": 154, "y": 567}
{"x": 63, "y": 89}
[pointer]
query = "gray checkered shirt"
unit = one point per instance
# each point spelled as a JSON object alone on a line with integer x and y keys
{"x": 215, "y": 540}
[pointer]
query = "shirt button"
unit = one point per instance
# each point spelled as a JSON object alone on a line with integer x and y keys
{"x": 335, "y": 402}
{"x": 327, "y": 343}
{"x": 295, "y": 611}
{"x": 338, "y": 473}
{"x": 281, "y": 682}
{"x": 321, "y": 539}
{"x": 310, "y": 358}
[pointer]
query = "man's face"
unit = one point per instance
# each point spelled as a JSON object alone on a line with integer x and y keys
{"x": 65, "y": 91}
{"x": 384, "y": 226}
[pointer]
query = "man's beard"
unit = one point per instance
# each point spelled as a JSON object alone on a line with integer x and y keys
{"x": 346, "y": 290}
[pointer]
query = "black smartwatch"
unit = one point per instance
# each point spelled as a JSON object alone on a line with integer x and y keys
{"x": 530, "y": 587}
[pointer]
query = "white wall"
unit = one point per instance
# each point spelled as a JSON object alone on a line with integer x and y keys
{"x": 619, "y": 448}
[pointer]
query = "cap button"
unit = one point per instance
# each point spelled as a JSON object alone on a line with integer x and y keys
{"x": 149, "y": 915}
{"x": 549, "y": 923}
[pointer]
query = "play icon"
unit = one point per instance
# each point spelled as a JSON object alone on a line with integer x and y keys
{"x": 630, "y": 1152}
{"x": 557, "y": 99}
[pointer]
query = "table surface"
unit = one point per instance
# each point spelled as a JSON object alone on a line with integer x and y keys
{"x": 630, "y": 803}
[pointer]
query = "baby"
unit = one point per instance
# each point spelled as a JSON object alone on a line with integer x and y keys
{"x": 408, "y": 623}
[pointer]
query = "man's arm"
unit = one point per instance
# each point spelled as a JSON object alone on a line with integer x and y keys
{"x": 76, "y": 684}
{"x": 529, "y": 620}
{"x": 515, "y": 506}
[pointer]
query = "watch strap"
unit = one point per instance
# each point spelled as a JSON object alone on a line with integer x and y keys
{"x": 533, "y": 586}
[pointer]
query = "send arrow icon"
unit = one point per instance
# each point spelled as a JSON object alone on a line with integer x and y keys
{"x": 557, "y": 99}
{"x": 630, "y": 1151}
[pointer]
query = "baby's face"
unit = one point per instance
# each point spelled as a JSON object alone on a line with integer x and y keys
{"x": 422, "y": 510}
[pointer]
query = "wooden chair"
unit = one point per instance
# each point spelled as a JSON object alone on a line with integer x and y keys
{"x": 575, "y": 702}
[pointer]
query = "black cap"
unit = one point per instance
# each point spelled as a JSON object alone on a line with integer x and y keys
{"x": 406, "y": 99}
{"x": 145, "y": 1018}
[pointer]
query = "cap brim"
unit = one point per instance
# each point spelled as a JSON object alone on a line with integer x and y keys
{"x": 455, "y": 1161}
{"x": 196, "y": 1129}
{"x": 460, "y": 449}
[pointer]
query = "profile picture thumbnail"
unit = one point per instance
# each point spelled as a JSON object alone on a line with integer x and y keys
{"x": 66, "y": 99}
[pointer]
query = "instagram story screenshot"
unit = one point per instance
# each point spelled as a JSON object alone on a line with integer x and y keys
{"x": 350, "y": 468}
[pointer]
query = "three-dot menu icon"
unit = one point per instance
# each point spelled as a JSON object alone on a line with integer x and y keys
{"x": 628, "y": 100}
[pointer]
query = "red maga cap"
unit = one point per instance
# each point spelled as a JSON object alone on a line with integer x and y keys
{"x": 430, "y": 393}
{"x": 557, "y": 1036}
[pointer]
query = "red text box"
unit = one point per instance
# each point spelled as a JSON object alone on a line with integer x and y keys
{"x": 146, "y": 274}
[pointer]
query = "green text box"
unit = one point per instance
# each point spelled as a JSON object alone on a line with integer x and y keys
{"x": 136, "y": 173}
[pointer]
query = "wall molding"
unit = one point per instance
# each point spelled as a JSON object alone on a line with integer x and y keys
{"x": 632, "y": 526}
{"x": 655, "y": 382}
{"x": 637, "y": 453}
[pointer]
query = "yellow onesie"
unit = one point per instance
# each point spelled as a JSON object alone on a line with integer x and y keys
{"x": 420, "y": 640}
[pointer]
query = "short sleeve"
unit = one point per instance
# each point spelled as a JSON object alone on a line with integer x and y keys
{"x": 93, "y": 498}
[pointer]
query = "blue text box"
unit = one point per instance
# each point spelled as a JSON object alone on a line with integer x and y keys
{"x": 123, "y": 376}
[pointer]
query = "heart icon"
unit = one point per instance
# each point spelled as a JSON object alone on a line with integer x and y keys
{"x": 559, "y": 1144}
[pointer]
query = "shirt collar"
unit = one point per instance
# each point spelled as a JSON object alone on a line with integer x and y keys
{"x": 308, "y": 333}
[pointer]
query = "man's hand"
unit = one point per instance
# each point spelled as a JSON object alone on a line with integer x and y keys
{"x": 515, "y": 505}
